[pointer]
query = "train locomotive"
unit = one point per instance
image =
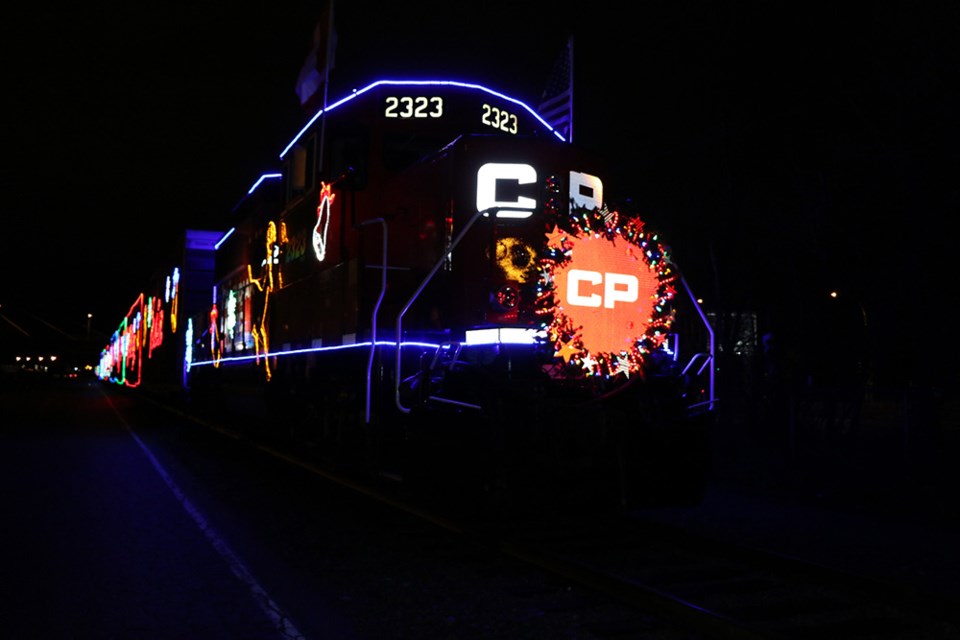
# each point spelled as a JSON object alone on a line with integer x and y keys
{"x": 432, "y": 284}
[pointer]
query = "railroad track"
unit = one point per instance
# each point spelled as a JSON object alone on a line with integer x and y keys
{"x": 687, "y": 581}
{"x": 721, "y": 590}
{"x": 671, "y": 578}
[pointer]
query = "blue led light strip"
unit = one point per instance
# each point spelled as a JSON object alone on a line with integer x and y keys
{"x": 290, "y": 352}
{"x": 224, "y": 238}
{"x": 266, "y": 176}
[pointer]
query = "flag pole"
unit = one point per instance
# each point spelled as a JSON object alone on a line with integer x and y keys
{"x": 570, "y": 49}
{"x": 326, "y": 87}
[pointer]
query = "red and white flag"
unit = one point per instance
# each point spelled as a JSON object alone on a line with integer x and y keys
{"x": 315, "y": 72}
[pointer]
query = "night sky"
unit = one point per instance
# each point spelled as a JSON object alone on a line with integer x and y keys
{"x": 782, "y": 152}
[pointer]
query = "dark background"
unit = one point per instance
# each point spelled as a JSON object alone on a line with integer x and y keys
{"x": 783, "y": 150}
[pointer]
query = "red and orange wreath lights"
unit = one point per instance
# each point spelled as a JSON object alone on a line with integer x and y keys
{"x": 607, "y": 284}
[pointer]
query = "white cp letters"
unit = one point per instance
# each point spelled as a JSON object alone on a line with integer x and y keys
{"x": 487, "y": 177}
{"x": 617, "y": 287}
{"x": 585, "y": 190}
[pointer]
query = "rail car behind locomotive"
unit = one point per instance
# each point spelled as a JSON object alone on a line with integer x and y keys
{"x": 434, "y": 280}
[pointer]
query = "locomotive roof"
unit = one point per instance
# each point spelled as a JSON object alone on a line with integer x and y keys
{"x": 369, "y": 91}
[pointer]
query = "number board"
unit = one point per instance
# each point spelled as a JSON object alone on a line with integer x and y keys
{"x": 457, "y": 108}
{"x": 435, "y": 107}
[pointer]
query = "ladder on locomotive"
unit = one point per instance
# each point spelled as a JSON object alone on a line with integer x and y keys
{"x": 445, "y": 359}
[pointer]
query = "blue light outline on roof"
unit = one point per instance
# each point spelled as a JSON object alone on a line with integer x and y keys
{"x": 452, "y": 83}
{"x": 224, "y": 238}
{"x": 265, "y": 176}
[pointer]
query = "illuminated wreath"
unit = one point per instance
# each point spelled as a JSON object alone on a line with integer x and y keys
{"x": 604, "y": 290}
{"x": 515, "y": 257}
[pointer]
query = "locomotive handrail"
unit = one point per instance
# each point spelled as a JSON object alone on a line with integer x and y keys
{"x": 419, "y": 290}
{"x": 376, "y": 309}
{"x": 708, "y": 356}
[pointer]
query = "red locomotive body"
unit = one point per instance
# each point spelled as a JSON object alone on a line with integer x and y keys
{"x": 434, "y": 280}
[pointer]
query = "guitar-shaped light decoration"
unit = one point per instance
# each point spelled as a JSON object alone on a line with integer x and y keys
{"x": 323, "y": 221}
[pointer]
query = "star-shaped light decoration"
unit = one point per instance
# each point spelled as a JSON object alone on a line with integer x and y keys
{"x": 567, "y": 351}
{"x": 588, "y": 362}
{"x": 623, "y": 364}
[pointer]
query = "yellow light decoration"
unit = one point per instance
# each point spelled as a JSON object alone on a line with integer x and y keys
{"x": 279, "y": 249}
{"x": 567, "y": 351}
{"x": 516, "y": 258}
{"x": 175, "y": 300}
{"x": 265, "y": 283}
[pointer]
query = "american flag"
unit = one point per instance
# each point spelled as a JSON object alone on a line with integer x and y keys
{"x": 556, "y": 103}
